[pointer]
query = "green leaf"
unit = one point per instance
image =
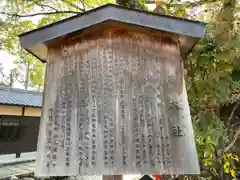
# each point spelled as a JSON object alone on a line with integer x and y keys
{"x": 233, "y": 172}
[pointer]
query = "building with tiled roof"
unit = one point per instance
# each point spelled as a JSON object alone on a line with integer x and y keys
{"x": 20, "y": 112}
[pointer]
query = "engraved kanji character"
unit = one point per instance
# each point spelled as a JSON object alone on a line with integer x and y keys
{"x": 177, "y": 130}
{"x": 54, "y": 156}
{"x": 171, "y": 79}
{"x": 54, "y": 149}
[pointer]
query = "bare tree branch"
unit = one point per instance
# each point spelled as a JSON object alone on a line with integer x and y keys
{"x": 235, "y": 137}
{"x": 44, "y": 5}
{"x": 37, "y": 14}
{"x": 5, "y": 24}
{"x": 233, "y": 112}
{"x": 83, "y": 4}
{"x": 186, "y": 3}
{"x": 74, "y": 5}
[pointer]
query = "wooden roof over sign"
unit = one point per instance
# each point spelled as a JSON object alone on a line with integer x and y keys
{"x": 187, "y": 31}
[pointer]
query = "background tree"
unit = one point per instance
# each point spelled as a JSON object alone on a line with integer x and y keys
{"x": 10, "y": 79}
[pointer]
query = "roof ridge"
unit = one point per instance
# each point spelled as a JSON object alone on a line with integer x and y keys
{"x": 20, "y": 90}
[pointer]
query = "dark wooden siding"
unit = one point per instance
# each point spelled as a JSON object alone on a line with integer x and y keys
{"x": 25, "y": 141}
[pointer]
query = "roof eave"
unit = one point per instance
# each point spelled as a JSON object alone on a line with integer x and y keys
{"x": 108, "y": 12}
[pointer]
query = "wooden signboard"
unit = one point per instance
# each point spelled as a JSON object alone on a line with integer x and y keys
{"x": 115, "y": 103}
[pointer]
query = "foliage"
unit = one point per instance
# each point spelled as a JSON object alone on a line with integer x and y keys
{"x": 211, "y": 86}
{"x": 213, "y": 83}
{"x": 8, "y": 80}
{"x": 228, "y": 167}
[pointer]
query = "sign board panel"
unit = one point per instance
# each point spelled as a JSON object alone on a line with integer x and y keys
{"x": 116, "y": 104}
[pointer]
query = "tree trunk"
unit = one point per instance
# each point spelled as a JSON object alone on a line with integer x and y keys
{"x": 27, "y": 77}
{"x": 11, "y": 79}
{"x": 39, "y": 88}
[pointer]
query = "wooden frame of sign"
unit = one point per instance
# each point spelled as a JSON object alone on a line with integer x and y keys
{"x": 115, "y": 100}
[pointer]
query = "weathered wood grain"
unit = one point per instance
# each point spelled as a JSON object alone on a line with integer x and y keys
{"x": 116, "y": 104}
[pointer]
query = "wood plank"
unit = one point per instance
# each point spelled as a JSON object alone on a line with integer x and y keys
{"x": 11, "y": 110}
{"x": 113, "y": 105}
{"x": 32, "y": 111}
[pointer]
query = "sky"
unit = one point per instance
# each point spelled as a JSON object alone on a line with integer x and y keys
{"x": 6, "y": 59}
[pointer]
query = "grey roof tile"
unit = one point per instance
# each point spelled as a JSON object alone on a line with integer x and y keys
{"x": 20, "y": 97}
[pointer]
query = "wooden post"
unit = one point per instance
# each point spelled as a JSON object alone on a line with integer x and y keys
{"x": 18, "y": 155}
{"x": 114, "y": 177}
